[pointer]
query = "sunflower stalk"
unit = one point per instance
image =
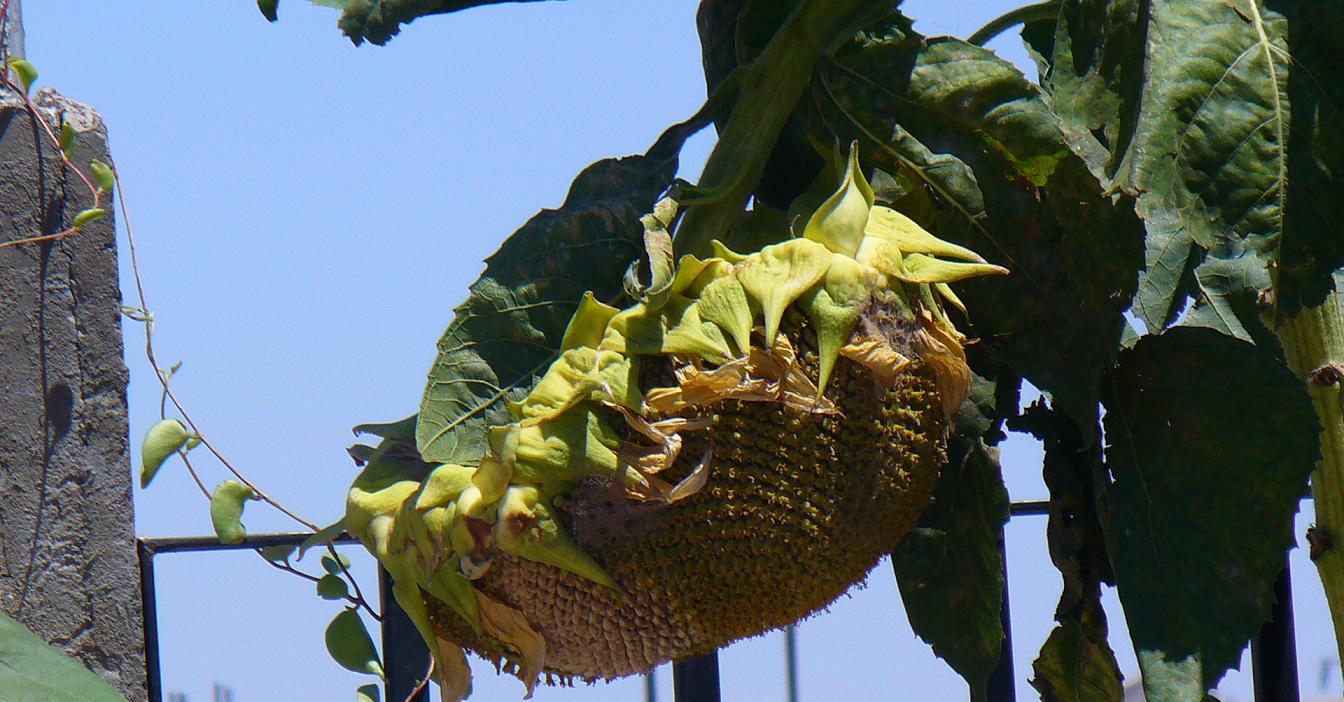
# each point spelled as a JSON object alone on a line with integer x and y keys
{"x": 770, "y": 90}
{"x": 1313, "y": 342}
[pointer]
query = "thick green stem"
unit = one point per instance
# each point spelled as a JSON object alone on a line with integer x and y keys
{"x": 1313, "y": 341}
{"x": 1022, "y": 15}
{"x": 770, "y": 90}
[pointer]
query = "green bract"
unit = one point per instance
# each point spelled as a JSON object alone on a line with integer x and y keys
{"x": 868, "y": 282}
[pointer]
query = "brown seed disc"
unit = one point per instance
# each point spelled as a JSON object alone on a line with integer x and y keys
{"x": 798, "y": 507}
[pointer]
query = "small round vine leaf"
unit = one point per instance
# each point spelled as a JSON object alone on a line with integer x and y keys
{"x": 102, "y": 175}
{"x": 226, "y": 510}
{"x": 332, "y": 587}
{"x": 68, "y": 139}
{"x": 350, "y": 646}
{"x": 165, "y": 438}
{"x": 87, "y": 216}
{"x": 334, "y": 565}
{"x": 367, "y": 693}
{"x": 26, "y": 72}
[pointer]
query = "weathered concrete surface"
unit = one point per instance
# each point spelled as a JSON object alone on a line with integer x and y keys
{"x": 68, "y": 566}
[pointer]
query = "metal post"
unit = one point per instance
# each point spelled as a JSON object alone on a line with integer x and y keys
{"x": 1002, "y": 686}
{"x": 650, "y": 689}
{"x": 791, "y": 661}
{"x": 153, "y": 681}
{"x": 1274, "y": 650}
{"x": 405, "y": 657}
{"x": 697, "y": 679}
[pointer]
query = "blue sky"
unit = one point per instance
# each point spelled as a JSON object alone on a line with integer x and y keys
{"x": 308, "y": 215}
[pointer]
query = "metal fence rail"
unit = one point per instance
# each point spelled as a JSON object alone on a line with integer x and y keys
{"x": 406, "y": 660}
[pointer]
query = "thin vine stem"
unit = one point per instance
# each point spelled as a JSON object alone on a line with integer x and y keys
{"x": 146, "y": 318}
{"x": 355, "y": 599}
{"x": 163, "y": 377}
{"x": 429, "y": 673}
{"x": 1048, "y": 10}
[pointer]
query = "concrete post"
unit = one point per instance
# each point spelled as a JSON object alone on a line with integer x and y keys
{"x": 68, "y": 567}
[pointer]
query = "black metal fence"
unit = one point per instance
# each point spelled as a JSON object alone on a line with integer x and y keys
{"x": 405, "y": 658}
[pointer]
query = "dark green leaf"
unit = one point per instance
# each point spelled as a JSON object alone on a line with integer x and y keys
{"x": 332, "y": 587}
{"x": 507, "y": 332}
{"x": 1074, "y": 667}
{"x": 401, "y": 429}
{"x": 367, "y": 693}
{"x": 1230, "y": 299}
{"x": 350, "y": 645}
{"x": 378, "y": 21}
{"x": 970, "y": 129}
{"x": 269, "y": 9}
{"x": 1096, "y": 72}
{"x": 1224, "y": 120}
{"x": 949, "y": 569}
{"x": 1076, "y": 663}
{"x": 32, "y": 670}
{"x": 1211, "y": 440}
{"x": 334, "y": 565}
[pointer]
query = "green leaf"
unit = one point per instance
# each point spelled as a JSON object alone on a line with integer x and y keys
{"x": 401, "y": 429}
{"x": 226, "y": 510}
{"x": 1074, "y": 667}
{"x": 1211, "y": 440}
{"x": 103, "y": 175}
{"x": 334, "y": 565}
{"x": 32, "y": 670}
{"x": 1076, "y": 663}
{"x": 967, "y": 127}
{"x": 323, "y": 536}
{"x": 277, "y": 554}
{"x": 26, "y": 72}
{"x": 949, "y": 568}
{"x": 269, "y": 9}
{"x": 68, "y": 139}
{"x": 165, "y": 438}
{"x": 378, "y": 21}
{"x": 87, "y": 216}
{"x": 1234, "y": 142}
{"x": 367, "y": 693}
{"x": 350, "y": 646}
{"x": 507, "y": 332}
{"x": 332, "y": 587}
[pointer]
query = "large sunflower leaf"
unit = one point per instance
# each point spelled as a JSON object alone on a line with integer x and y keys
{"x": 968, "y": 127}
{"x": 1203, "y": 497}
{"x": 32, "y": 670}
{"x": 507, "y": 332}
{"x": 949, "y": 568}
{"x": 1234, "y": 144}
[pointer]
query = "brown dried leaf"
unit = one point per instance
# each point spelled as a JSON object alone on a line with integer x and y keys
{"x": 508, "y": 626}
{"x": 878, "y": 356}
